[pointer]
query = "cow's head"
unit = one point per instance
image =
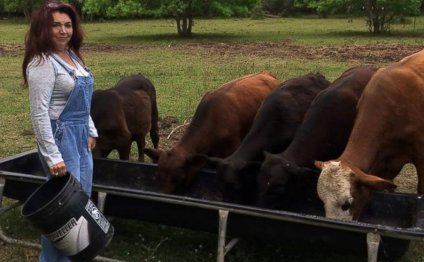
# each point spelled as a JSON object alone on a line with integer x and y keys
{"x": 175, "y": 170}
{"x": 345, "y": 190}
{"x": 238, "y": 180}
{"x": 278, "y": 178}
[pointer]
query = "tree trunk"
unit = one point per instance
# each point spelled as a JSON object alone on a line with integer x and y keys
{"x": 184, "y": 25}
{"x": 376, "y": 17}
{"x": 185, "y": 20}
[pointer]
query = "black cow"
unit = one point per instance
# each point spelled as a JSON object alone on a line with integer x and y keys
{"x": 273, "y": 129}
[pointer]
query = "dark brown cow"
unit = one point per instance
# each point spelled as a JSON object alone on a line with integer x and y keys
{"x": 222, "y": 119}
{"x": 123, "y": 114}
{"x": 388, "y": 133}
{"x": 323, "y": 135}
{"x": 273, "y": 129}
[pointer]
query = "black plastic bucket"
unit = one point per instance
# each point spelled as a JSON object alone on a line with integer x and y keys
{"x": 64, "y": 214}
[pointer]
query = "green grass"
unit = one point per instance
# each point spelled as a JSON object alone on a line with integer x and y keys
{"x": 182, "y": 70}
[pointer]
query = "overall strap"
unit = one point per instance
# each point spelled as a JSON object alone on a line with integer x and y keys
{"x": 76, "y": 58}
{"x": 70, "y": 71}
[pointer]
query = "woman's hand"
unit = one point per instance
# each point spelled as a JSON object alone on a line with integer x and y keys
{"x": 58, "y": 169}
{"x": 91, "y": 143}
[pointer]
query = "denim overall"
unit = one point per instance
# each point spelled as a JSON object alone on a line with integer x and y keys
{"x": 71, "y": 133}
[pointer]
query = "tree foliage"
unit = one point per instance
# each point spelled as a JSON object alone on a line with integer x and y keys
{"x": 24, "y": 7}
{"x": 379, "y": 13}
{"x": 184, "y": 11}
{"x": 383, "y": 12}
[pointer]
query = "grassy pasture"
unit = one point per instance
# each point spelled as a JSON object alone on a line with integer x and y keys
{"x": 182, "y": 70}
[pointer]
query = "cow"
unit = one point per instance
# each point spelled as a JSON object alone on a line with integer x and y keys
{"x": 387, "y": 134}
{"x": 125, "y": 113}
{"x": 273, "y": 129}
{"x": 323, "y": 135}
{"x": 220, "y": 122}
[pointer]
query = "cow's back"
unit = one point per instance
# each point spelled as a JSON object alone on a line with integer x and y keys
{"x": 137, "y": 89}
{"x": 279, "y": 116}
{"x": 388, "y": 123}
{"x": 329, "y": 121}
{"x": 105, "y": 116}
{"x": 225, "y": 115}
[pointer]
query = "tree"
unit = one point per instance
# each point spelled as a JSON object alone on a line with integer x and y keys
{"x": 279, "y": 7}
{"x": 24, "y": 7}
{"x": 184, "y": 11}
{"x": 380, "y": 13}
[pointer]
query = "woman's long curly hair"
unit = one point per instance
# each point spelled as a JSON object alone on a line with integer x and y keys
{"x": 38, "y": 39}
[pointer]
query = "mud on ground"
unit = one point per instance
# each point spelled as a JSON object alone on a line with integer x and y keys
{"x": 283, "y": 49}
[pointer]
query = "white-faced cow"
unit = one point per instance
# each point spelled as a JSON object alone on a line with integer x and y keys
{"x": 388, "y": 133}
{"x": 323, "y": 135}
{"x": 222, "y": 119}
{"x": 123, "y": 114}
{"x": 273, "y": 129}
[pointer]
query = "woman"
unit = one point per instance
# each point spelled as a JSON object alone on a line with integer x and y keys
{"x": 60, "y": 89}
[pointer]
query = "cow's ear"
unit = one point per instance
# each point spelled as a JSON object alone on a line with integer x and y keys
{"x": 153, "y": 153}
{"x": 319, "y": 165}
{"x": 374, "y": 182}
{"x": 251, "y": 167}
{"x": 267, "y": 154}
{"x": 213, "y": 162}
{"x": 309, "y": 171}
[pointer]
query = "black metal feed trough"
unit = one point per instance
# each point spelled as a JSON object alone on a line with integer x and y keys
{"x": 130, "y": 190}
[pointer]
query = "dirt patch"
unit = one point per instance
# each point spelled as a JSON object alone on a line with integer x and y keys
{"x": 285, "y": 49}
{"x": 11, "y": 50}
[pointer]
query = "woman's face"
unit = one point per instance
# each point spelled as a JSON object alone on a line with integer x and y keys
{"x": 61, "y": 30}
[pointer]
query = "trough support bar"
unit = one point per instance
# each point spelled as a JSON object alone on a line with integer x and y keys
{"x": 230, "y": 245}
{"x": 223, "y": 249}
{"x": 27, "y": 244}
{"x": 2, "y": 185}
{"x": 101, "y": 200}
{"x": 11, "y": 241}
{"x": 373, "y": 242}
{"x": 17, "y": 242}
{"x": 3, "y": 237}
{"x": 222, "y": 230}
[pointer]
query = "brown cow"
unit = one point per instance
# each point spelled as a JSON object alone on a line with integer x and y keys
{"x": 323, "y": 135}
{"x": 222, "y": 119}
{"x": 388, "y": 133}
{"x": 273, "y": 129}
{"x": 123, "y": 114}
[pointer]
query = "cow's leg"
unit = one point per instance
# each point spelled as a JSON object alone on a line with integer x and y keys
{"x": 419, "y": 165}
{"x": 124, "y": 151}
{"x": 105, "y": 153}
{"x": 141, "y": 143}
{"x": 154, "y": 134}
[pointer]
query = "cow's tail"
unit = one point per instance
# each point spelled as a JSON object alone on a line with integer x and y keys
{"x": 154, "y": 130}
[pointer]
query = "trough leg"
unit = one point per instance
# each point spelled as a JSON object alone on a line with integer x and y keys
{"x": 373, "y": 242}
{"x": 222, "y": 247}
{"x": 3, "y": 237}
{"x": 2, "y": 185}
{"x": 222, "y": 230}
{"x": 101, "y": 199}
